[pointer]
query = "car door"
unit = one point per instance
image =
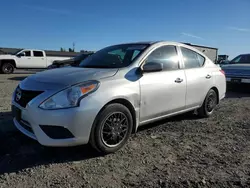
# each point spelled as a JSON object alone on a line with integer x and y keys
{"x": 162, "y": 92}
{"x": 24, "y": 59}
{"x": 39, "y": 59}
{"x": 198, "y": 76}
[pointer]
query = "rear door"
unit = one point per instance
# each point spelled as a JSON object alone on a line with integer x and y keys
{"x": 198, "y": 76}
{"x": 39, "y": 59}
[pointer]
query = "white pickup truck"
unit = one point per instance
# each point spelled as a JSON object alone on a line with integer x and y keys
{"x": 27, "y": 59}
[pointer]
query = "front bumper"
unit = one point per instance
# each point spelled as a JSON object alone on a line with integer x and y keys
{"x": 78, "y": 121}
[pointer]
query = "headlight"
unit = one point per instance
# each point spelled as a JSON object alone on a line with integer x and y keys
{"x": 69, "y": 97}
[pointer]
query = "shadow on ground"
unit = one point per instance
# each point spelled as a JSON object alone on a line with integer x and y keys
{"x": 238, "y": 91}
{"x": 18, "y": 152}
{"x": 17, "y": 78}
{"x": 27, "y": 71}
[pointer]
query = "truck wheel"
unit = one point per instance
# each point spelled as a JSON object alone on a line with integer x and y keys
{"x": 111, "y": 129}
{"x": 7, "y": 68}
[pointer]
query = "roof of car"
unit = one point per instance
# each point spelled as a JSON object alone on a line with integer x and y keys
{"x": 141, "y": 42}
{"x": 244, "y": 54}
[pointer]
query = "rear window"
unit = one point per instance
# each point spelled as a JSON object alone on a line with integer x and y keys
{"x": 241, "y": 59}
{"x": 38, "y": 54}
{"x": 192, "y": 59}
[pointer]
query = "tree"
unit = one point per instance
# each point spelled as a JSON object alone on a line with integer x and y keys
{"x": 62, "y": 49}
{"x": 71, "y": 50}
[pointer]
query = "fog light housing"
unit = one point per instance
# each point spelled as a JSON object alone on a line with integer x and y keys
{"x": 56, "y": 132}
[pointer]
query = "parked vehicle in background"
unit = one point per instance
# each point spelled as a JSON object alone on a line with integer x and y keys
{"x": 114, "y": 91}
{"x": 222, "y": 58}
{"x": 75, "y": 61}
{"x": 27, "y": 59}
{"x": 238, "y": 69}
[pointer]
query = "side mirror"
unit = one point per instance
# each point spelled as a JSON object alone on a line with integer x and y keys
{"x": 152, "y": 67}
{"x": 20, "y": 54}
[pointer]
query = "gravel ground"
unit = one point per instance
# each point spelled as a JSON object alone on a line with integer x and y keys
{"x": 178, "y": 152}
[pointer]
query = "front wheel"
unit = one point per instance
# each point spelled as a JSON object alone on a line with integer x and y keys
{"x": 209, "y": 104}
{"x": 7, "y": 68}
{"x": 111, "y": 129}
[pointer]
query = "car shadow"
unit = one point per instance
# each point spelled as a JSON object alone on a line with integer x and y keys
{"x": 238, "y": 91}
{"x": 18, "y": 152}
{"x": 17, "y": 78}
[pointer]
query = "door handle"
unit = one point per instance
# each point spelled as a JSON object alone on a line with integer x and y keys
{"x": 178, "y": 80}
{"x": 208, "y": 76}
{"x": 28, "y": 58}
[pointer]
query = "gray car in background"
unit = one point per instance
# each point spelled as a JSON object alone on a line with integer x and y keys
{"x": 238, "y": 69}
{"x": 114, "y": 91}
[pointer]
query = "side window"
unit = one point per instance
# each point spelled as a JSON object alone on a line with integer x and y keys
{"x": 192, "y": 59}
{"x": 135, "y": 54}
{"x": 38, "y": 54}
{"x": 167, "y": 55}
{"x": 27, "y": 53}
{"x": 244, "y": 59}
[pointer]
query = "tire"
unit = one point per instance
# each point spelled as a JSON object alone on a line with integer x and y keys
{"x": 208, "y": 105}
{"x": 115, "y": 119}
{"x": 7, "y": 68}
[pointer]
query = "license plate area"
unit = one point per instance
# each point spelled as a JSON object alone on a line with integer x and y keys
{"x": 16, "y": 112}
{"x": 236, "y": 80}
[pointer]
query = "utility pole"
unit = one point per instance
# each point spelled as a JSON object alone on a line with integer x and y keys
{"x": 73, "y": 46}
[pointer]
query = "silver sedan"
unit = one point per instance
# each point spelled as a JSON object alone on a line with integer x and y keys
{"x": 114, "y": 91}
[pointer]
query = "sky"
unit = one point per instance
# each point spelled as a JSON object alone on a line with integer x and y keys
{"x": 92, "y": 25}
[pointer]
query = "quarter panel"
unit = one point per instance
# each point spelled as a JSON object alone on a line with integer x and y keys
{"x": 198, "y": 85}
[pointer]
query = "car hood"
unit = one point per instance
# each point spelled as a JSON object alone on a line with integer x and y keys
{"x": 236, "y": 67}
{"x": 6, "y": 56}
{"x": 64, "y": 77}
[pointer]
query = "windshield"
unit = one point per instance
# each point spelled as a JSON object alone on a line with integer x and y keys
{"x": 14, "y": 53}
{"x": 241, "y": 59}
{"x": 81, "y": 57}
{"x": 117, "y": 56}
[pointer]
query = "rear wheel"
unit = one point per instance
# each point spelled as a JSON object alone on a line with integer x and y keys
{"x": 209, "y": 104}
{"x": 111, "y": 129}
{"x": 7, "y": 68}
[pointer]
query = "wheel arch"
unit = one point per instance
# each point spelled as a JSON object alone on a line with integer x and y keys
{"x": 127, "y": 104}
{"x": 12, "y": 61}
{"x": 217, "y": 93}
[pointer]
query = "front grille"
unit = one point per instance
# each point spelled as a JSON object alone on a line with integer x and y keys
{"x": 26, "y": 96}
{"x": 56, "y": 132}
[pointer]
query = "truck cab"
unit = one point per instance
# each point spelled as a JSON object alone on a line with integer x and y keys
{"x": 31, "y": 59}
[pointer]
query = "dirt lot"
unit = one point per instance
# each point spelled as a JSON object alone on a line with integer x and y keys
{"x": 177, "y": 152}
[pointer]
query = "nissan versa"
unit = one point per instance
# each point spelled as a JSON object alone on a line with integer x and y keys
{"x": 114, "y": 91}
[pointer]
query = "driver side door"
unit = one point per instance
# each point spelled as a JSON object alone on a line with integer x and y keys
{"x": 24, "y": 59}
{"x": 162, "y": 92}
